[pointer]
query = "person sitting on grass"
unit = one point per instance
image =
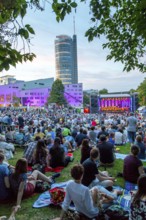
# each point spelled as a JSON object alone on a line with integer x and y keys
{"x": 87, "y": 202}
{"x": 41, "y": 155}
{"x": 29, "y": 151}
{"x": 133, "y": 166}
{"x": 85, "y": 150}
{"x": 79, "y": 194}
{"x": 138, "y": 204}
{"x": 106, "y": 151}
{"x": 4, "y": 180}
{"x": 23, "y": 185}
{"x": 141, "y": 146}
{"x": 92, "y": 176}
{"x": 57, "y": 155}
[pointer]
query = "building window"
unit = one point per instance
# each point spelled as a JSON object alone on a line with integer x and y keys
{"x": 1, "y": 98}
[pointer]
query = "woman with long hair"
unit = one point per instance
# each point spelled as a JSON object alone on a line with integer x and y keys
{"x": 138, "y": 204}
{"x": 23, "y": 185}
{"x": 41, "y": 154}
{"x": 133, "y": 166}
{"x": 85, "y": 150}
{"x": 57, "y": 155}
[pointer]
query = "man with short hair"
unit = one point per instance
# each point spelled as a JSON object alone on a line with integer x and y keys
{"x": 79, "y": 194}
{"x": 92, "y": 176}
{"x": 28, "y": 154}
{"x": 131, "y": 128}
{"x": 80, "y": 137}
{"x": 106, "y": 151}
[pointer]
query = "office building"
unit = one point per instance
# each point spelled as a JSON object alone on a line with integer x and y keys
{"x": 66, "y": 59}
{"x": 36, "y": 92}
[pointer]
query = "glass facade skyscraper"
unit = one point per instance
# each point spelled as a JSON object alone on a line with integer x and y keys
{"x": 66, "y": 59}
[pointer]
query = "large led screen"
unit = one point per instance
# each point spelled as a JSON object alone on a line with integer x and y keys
{"x": 115, "y": 104}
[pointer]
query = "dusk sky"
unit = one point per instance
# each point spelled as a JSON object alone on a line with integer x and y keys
{"x": 93, "y": 69}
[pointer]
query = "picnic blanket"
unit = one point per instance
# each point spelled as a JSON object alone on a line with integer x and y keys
{"x": 45, "y": 198}
{"x": 124, "y": 200}
{"x": 130, "y": 186}
{"x": 122, "y": 156}
{"x": 50, "y": 169}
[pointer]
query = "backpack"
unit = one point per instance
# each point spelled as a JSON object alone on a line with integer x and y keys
{"x": 41, "y": 186}
{"x": 116, "y": 212}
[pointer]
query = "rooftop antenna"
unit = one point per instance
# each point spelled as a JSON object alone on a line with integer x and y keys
{"x": 74, "y": 25}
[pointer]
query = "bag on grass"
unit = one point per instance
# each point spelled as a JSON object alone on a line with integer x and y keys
{"x": 41, "y": 186}
{"x": 39, "y": 167}
{"x": 57, "y": 195}
{"x": 116, "y": 212}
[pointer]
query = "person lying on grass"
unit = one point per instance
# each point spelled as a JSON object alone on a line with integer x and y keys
{"x": 23, "y": 185}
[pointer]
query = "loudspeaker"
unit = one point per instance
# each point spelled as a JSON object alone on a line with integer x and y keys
{"x": 135, "y": 101}
{"x": 93, "y": 104}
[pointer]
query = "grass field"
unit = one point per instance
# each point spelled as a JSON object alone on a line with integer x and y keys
{"x": 28, "y": 213}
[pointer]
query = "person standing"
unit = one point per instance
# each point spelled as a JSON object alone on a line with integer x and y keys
{"x": 131, "y": 128}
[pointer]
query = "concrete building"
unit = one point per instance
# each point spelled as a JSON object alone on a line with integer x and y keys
{"x": 36, "y": 93}
{"x": 66, "y": 59}
{"x": 7, "y": 79}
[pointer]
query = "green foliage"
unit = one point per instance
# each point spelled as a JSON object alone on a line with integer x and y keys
{"x": 27, "y": 212}
{"x": 12, "y": 30}
{"x": 62, "y": 8}
{"x": 142, "y": 92}
{"x": 57, "y": 93}
{"x": 132, "y": 91}
{"x": 103, "y": 91}
{"x": 86, "y": 99}
{"x": 122, "y": 22}
{"x": 16, "y": 101}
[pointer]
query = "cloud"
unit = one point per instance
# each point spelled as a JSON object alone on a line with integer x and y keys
{"x": 94, "y": 71}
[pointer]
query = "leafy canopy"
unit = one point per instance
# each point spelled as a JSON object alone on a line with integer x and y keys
{"x": 142, "y": 92}
{"x": 122, "y": 22}
{"x": 57, "y": 93}
{"x": 13, "y": 31}
{"x": 103, "y": 91}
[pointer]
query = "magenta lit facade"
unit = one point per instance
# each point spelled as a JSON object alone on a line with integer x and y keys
{"x": 37, "y": 97}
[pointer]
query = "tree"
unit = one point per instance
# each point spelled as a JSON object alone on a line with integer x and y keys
{"x": 122, "y": 22}
{"x": 86, "y": 99}
{"x": 132, "y": 91}
{"x": 57, "y": 93}
{"x": 142, "y": 92}
{"x": 13, "y": 30}
{"x": 103, "y": 91}
{"x": 16, "y": 101}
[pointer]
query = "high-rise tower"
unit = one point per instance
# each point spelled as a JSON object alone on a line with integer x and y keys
{"x": 66, "y": 59}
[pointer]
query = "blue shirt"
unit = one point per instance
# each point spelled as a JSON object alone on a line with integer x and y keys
{"x": 4, "y": 172}
{"x": 81, "y": 197}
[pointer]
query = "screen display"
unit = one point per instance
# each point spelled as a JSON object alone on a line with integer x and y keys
{"x": 115, "y": 104}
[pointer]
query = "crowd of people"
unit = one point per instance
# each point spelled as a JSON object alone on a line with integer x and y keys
{"x": 47, "y": 136}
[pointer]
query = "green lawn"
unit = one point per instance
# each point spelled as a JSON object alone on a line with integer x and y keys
{"x": 28, "y": 213}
